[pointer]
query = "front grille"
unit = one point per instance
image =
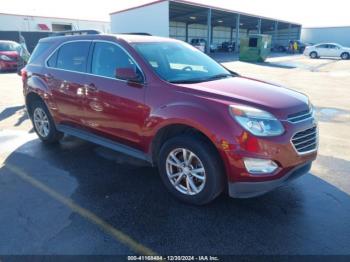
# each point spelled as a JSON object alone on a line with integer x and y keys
{"x": 300, "y": 116}
{"x": 305, "y": 141}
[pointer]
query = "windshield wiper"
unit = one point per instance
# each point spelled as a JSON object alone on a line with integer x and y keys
{"x": 220, "y": 76}
{"x": 198, "y": 80}
{"x": 187, "y": 81}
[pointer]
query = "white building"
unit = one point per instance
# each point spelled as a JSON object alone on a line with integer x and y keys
{"x": 27, "y": 23}
{"x": 187, "y": 20}
{"x": 340, "y": 35}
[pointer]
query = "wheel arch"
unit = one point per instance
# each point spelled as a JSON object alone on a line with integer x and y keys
{"x": 176, "y": 129}
{"x": 30, "y": 98}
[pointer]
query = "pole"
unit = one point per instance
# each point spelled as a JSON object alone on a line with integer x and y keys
{"x": 259, "y": 26}
{"x": 238, "y": 24}
{"x": 209, "y": 30}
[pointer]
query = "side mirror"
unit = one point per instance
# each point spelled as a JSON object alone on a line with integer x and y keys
{"x": 127, "y": 74}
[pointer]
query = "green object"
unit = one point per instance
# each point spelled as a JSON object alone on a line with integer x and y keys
{"x": 255, "y": 48}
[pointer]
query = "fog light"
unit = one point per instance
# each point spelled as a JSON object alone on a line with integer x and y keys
{"x": 260, "y": 166}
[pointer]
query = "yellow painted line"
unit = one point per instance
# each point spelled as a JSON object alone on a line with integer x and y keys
{"x": 109, "y": 229}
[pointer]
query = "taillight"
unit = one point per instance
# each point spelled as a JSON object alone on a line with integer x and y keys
{"x": 24, "y": 74}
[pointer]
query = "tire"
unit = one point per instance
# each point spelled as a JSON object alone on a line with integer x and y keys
{"x": 345, "y": 56}
{"x": 313, "y": 55}
{"x": 39, "y": 113}
{"x": 204, "y": 157}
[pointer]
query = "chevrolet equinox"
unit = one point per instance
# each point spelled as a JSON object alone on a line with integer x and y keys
{"x": 206, "y": 128}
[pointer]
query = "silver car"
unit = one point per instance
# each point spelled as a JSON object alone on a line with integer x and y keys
{"x": 327, "y": 50}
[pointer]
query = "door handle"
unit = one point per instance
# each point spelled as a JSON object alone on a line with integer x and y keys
{"x": 90, "y": 88}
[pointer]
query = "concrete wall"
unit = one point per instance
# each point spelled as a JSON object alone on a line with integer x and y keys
{"x": 221, "y": 34}
{"x": 152, "y": 19}
{"x": 284, "y": 36}
{"x": 340, "y": 35}
{"x": 9, "y": 22}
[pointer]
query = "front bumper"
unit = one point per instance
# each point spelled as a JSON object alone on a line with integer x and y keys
{"x": 8, "y": 65}
{"x": 253, "y": 189}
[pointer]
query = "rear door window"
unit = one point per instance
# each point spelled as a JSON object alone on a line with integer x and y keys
{"x": 73, "y": 56}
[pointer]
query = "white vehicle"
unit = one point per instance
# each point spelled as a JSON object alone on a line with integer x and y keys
{"x": 200, "y": 44}
{"x": 327, "y": 50}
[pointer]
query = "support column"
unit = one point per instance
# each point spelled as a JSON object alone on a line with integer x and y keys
{"x": 289, "y": 32}
{"x": 209, "y": 27}
{"x": 275, "y": 34}
{"x": 186, "y": 33}
{"x": 238, "y": 24}
{"x": 259, "y": 26}
{"x": 231, "y": 34}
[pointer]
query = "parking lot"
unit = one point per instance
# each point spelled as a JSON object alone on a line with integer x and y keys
{"x": 79, "y": 198}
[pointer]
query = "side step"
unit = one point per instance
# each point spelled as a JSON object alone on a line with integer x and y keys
{"x": 96, "y": 139}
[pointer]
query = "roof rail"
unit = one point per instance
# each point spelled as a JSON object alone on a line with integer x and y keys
{"x": 140, "y": 33}
{"x": 77, "y": 32}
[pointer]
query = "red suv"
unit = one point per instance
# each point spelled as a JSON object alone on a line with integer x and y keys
{"x": 161, "y": 100}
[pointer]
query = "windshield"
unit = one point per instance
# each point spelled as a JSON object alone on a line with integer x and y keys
{"x": 9, "y": 47}
{"x": 180, "y": 62}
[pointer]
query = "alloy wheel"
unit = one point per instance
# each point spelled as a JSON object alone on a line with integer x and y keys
{"x": 345, "y": 56}
{"x": 185, "y": 171}
{"x": 41, "y": 122}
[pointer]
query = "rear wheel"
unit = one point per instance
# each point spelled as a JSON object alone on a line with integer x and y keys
{"x": 43, "y": 123}
{"x": 191, "y": 170}
{"x": 313, "y": 55}
{"x": 345, "y": 56}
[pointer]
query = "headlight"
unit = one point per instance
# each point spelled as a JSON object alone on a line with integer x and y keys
{"x": 256, "y": 121}
{"x": 5, "y": 58}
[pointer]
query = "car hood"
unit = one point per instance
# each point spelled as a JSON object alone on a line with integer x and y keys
{"x": 242, "y": 90}
{"x": 9, "y": 53}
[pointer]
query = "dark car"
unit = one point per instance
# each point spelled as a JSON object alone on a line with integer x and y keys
{"x": 163, "y": 101}
{"x": 228, "y": 46}
{"x": 287, "y": 47}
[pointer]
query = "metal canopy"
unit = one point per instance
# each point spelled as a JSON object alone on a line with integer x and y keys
{"x": 188, "y": 13}
{"x": 195, "y": 14}
{"x": 191, "y": 14}
{"x": 267, "y": 25}
{"x": 211, "y": 17}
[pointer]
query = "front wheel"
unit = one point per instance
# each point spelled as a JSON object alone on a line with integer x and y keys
{"x": 191, "y": 170}
{"x": 345, "y": 56}
{"x": 43, "y": 123}
{"x": 313, "y": 55}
